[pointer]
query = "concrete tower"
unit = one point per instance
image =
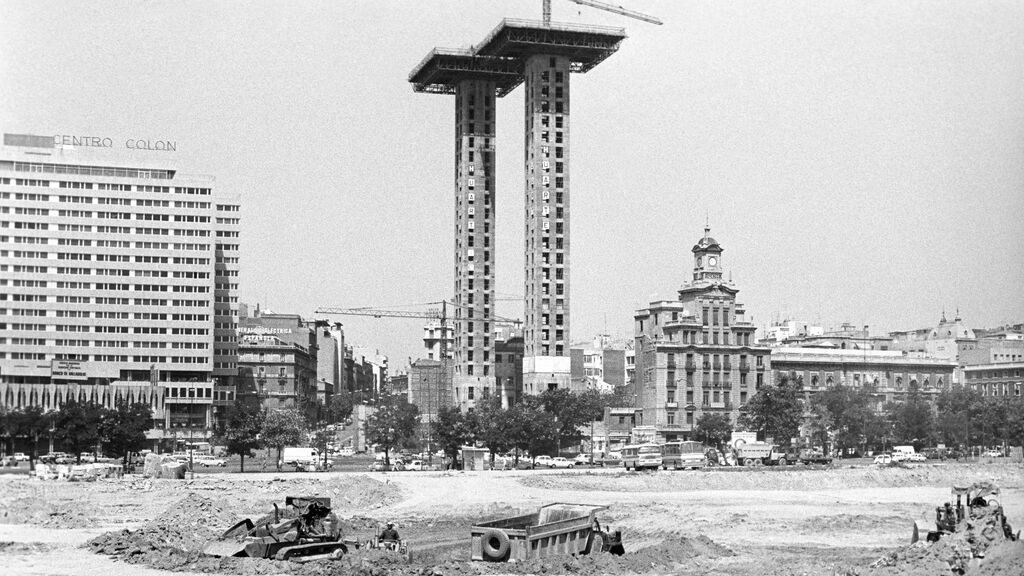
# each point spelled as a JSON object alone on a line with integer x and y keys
{"x": 475, "y": 82}
{"x": 548, "y": 53}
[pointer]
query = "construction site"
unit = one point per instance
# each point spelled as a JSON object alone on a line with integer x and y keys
{"x": 840, "y": 520}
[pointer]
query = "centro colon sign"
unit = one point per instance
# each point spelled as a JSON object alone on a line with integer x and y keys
{"x": 131, "y": 143}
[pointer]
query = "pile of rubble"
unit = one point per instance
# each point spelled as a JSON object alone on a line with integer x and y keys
{"x": 965, "y": 551}
{"x": 185, "y": 527}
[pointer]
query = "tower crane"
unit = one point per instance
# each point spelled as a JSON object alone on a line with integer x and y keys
{"x": 613, "y": 8}
{"x": 429, "y": 314}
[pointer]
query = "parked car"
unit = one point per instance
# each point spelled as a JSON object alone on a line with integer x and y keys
{"x": 584, "y": 459}
{"x": 20, "y": 457}
{"x": 989, "y": 453}
{"x": 207, "y": 461}
{"x": 560, "y": 462}
{"x": 915, "y": 458}
{"x": 542, "y": 460}
{"x": 416, "y": 465}
{"x": 883, "y": 458}
{"x": 378, "y": 466}
{"x": 346, "y": 452}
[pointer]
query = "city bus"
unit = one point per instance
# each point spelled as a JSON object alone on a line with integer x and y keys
{"x": 683, "y": 454}
{"x": 637, "y": 456}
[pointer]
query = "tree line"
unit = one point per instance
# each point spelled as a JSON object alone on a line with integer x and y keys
{"x": 856, "y": 419}
{"x": 80, "y": 427}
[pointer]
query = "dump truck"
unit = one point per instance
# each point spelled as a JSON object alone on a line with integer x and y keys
{"x": 311, "y": 531}
{"x": 555, "y": 529}
{"x": 756, "y": 454}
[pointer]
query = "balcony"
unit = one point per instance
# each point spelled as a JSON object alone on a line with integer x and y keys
{"x": 744, "y": 366}
{"x": 707, "y": 365}
{"x": 717, "y": 365}
{"x": 691, "y": 366}
{"x": 671, "y": 383}
{"x": 727, "y": 366}
{"x": 671, "y": 405}
{"x": 760, "y": 367}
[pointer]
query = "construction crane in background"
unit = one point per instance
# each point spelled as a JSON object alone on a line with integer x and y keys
{"x": 613, "y": 8}
{"x": 429, "y": 314}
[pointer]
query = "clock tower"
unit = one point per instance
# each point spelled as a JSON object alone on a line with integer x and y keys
{"x": 707, "y": 258}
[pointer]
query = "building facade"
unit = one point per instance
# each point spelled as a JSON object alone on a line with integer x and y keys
{"x": 330, "y": 359}
{"x": 697, "y": 354}
{"x": 891, "y": 374}
{"x": 118, "y": 279}
{"x": 996, "y": 379}
{"x": 281, "y": 374}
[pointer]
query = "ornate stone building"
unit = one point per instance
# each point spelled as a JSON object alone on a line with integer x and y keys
{"x": 697, "y": 354}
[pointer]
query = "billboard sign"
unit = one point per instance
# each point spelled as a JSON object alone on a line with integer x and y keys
{"x": 68, "y": 370}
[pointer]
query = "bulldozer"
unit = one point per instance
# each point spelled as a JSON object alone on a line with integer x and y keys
{"x": 310, "y": 532}
{"x": 977, "y": 501}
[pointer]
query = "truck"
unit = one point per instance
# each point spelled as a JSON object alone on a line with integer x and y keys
{"x": 554, "y": 529}
{"x": 303, "y": 458}
{"x": 757, "y": 454}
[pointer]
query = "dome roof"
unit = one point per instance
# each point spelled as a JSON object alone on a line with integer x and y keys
{"x": 707, "y": 243}
{"x": 947, "y": 330}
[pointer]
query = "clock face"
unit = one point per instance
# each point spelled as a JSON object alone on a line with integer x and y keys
{"x": 712, "y": 261}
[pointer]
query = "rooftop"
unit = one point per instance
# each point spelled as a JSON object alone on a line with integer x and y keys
{"x": 500, "y": 57}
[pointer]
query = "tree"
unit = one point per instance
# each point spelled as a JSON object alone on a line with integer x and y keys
{"x": 77, "y": 426}
{"x": 819, "y": 423}
{"x": 855, "y": 422}
{"x": 775, "y": 411}
{"x": 340, "y": 407}
{"x": 37, "y": 423}
{"x": 713, "y": 428}
{"x": 282, "y": 428}
{"x": 451, "y": 431}
{"x": 533, "y": 428}
{"x": 912, "y": 419}
{"x": 392, "y": 423}
{"x": 320, "y": 440}
{"x": 123, "y": 428}
{"x": 492, "y": 423}
{"x": 571, "y": 412}
{"x": 244, "y": 425}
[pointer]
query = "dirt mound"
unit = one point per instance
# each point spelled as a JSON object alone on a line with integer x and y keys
{"x": 37, "y": 511}
{"x": 184, "y": 527}
{"x": 667, "y": 556}
{"x": 956, "y": 553}
{"x": 776, "y": 478}
{"x": 1004, "y": 558}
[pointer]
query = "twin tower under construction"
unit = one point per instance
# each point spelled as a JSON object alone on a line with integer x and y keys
{"x": 542, "y": 56}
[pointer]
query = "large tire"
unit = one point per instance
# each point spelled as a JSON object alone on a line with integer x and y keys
{"x": 782, "y": 461}
{"x": 757, "y": 462}
{"x": 495, "y": 545}
{"x": 748, "y": 461}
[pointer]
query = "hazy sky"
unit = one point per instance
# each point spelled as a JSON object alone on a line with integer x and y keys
{"x": 859, "y": 161}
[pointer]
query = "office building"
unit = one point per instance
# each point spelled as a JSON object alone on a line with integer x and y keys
{"x": 118, "y": 280}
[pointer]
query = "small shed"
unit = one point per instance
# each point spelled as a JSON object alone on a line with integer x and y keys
{"x": 474, "y": 458}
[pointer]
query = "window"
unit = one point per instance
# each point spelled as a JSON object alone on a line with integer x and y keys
{"x": 470, "y": 389}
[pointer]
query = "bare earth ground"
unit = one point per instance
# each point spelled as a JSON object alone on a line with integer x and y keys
{"x": 741, "y": 522}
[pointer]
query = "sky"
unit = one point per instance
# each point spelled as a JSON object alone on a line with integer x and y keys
{"x": 859, "y": 161}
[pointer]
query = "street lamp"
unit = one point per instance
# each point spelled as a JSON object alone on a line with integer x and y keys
{"x": 191, "y": 445}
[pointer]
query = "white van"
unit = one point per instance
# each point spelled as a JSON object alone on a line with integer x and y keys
{"x": 294, "y": 456}
{"x": 901, "y": 453}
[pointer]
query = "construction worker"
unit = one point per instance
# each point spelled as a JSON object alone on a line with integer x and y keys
{"x": 389, "y": 534}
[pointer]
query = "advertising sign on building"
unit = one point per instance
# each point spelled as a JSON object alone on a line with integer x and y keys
{"x": 68, "y": 370}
